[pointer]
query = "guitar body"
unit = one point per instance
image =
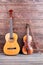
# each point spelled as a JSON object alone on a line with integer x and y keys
{"x": 27, "y": 49}
{"x": 11, "y": 46}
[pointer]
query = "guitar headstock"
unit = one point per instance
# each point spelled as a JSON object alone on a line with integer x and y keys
{"x": 10, "y": 12}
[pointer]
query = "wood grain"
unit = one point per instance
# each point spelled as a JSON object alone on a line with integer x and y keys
{"x": 24, "y": 11}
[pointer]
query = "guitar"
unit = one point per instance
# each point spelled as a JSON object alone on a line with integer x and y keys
{"x": 27, "y": 39}
{"x": 11, "y": 46}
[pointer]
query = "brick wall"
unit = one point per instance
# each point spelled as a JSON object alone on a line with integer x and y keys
{"x": 24, "y": 10}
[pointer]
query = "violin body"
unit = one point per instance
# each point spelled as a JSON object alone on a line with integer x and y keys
{"x": 27, "y": 49}
{"x": 11, "y": 46}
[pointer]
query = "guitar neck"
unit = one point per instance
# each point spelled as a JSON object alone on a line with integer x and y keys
{"x": 11, "y": 25}
{"x": 11, "y": 28}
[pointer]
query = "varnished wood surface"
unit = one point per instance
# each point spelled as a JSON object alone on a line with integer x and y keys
{"x": 34, "y": 59}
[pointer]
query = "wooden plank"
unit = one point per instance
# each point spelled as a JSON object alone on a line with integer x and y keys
{"x": 34, "y": 59}
{"x": 23, "y": 12}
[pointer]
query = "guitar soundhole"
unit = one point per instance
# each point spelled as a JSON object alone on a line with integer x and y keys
{"x": 11, "y": 48}
{"x": 11, "y": 38}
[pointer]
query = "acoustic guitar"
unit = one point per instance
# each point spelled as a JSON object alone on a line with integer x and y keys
{"x": 11, "y": 46}
{"x": 27, "y": 39}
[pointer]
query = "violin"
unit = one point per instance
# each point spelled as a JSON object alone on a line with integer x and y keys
{"x": 27, "y": 39}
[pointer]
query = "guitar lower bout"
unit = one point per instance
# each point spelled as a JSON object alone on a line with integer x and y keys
{"x": 11, "y": 46}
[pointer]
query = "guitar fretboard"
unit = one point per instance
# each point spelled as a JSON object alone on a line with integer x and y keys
{"x": 11, "y": 28}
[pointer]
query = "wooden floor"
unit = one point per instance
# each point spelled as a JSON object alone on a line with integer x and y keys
{"x": 34, "y": 59}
